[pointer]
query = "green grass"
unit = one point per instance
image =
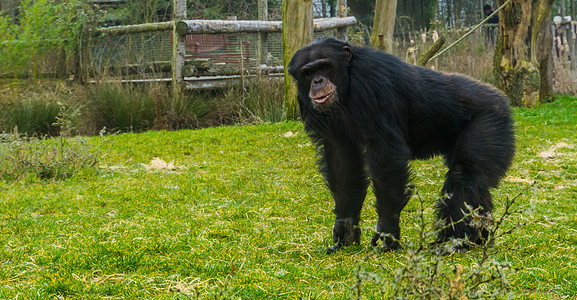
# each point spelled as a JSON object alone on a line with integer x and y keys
{"x": 242, "y": 213}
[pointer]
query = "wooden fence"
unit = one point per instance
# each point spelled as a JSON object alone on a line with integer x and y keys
{"x": 206, "y": 53}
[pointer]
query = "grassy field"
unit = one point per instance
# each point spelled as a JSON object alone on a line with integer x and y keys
{"x": 241, "y": 212}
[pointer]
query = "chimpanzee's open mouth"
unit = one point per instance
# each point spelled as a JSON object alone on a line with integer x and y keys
{"x": 324, "y": 98}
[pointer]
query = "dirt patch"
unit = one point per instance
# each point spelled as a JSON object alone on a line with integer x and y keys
{"x": 553, "y": 152}
{"x": 158, "y": 164}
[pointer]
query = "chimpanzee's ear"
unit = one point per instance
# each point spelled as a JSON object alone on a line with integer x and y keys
{"x": 349, "y": 51}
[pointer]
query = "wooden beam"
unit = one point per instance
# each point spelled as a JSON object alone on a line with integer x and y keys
{"x": 222, "y": 26}
{"x": 225, "y": 26}
{"x": 140, "y": 28}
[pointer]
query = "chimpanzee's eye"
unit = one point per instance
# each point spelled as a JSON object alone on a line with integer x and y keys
{"x": 324, "y": 65}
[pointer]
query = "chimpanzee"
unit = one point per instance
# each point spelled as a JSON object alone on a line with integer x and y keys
{"x": 368, "y": 113}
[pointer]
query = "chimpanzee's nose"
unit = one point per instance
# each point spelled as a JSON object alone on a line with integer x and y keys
{"x": 318, "y": 80}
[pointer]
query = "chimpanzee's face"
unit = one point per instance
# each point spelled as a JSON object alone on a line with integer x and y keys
{"x": 318, "y": 69}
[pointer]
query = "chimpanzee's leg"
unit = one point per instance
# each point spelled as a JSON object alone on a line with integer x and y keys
{"x": 482, "y": 155}
{"x": 343, "y": 167}
{"x": 390, "y": 174}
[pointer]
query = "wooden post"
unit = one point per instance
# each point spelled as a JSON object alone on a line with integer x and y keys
{"x": 573, "y": 11}
{"x": 262, "y": 48}
{"x": 571, "y": 38}
{"x": 297, "y": 31}
{"x": 178, "y": 46}
{"x": 343, "y": 32}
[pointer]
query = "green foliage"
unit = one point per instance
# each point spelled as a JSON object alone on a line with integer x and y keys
{"x": 146, "y": 11}
{"x": 44, "y": 28}
{"x": 221, "y": 9}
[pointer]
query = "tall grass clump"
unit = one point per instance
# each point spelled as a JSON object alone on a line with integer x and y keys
{"x": 181, "y": 111}
{"x": 121, "y": 107}
{"x": 33, "y": 116}
{"x": 34, "y": 109}
{"x": 23, "y": 156}
{"x": 263, "y": 99}
{"x": 258, "y": 100}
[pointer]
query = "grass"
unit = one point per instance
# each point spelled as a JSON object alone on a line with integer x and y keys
{"x": 33, "y": 106}
{"x": 241, "y": 212}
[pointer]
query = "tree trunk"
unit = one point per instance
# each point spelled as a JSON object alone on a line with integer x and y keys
{"x": 297, "y": 32}
{"x": 384, "y": 25}
{"x": 518, "y": 53}
{"x": 545, "y": 59}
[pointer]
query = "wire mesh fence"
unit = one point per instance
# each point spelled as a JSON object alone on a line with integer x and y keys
{"x": 148, "y": 55}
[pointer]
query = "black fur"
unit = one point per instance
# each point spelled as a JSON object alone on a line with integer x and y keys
{"x": 385, "y": 113}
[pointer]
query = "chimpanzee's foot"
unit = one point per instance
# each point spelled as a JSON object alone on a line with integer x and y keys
{"x": 345, "y": 232}
{"x": 389, "y": 242}
{"x": 459, "y": 238}
{"x": 451, "y": 246}
{"x": 389, "y": 233}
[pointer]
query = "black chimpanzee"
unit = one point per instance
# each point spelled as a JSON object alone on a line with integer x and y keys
{"x": 369, "y": 113}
